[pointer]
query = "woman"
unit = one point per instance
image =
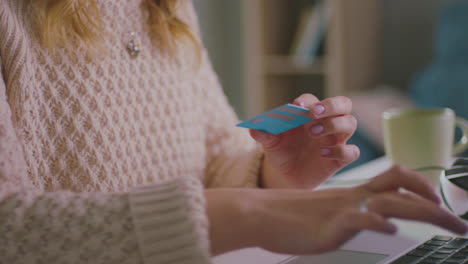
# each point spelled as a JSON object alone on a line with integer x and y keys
{"x": 111, "y": 123}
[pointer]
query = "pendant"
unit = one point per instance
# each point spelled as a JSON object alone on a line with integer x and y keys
{"x": 133, "y": 48}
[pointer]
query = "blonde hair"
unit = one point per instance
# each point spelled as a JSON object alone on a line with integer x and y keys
{"x": 61, "y": 20}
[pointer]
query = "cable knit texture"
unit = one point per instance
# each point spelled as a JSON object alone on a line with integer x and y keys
{"x": 104, "y": 159}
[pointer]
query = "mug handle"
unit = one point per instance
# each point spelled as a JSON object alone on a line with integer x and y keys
{"x": 462, "y": 144}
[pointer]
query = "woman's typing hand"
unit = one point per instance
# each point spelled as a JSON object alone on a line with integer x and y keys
{"x": 311, "y": 222}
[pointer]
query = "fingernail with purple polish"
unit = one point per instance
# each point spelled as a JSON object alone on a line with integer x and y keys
{"x": 316, "y": 129}
{"x": 325, "y": 152}
{"x": 319, "y": 109}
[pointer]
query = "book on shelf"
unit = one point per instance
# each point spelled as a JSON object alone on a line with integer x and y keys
{"x": 308, "y": 42}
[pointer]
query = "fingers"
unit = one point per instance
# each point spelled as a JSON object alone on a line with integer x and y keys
{"x": 343, "y": 153}
{"x": 334, "y": 106}
{"x": 402, "y": 177}
{"x": 420, "y": 204}
{"x": 333, "y": 116}
{"x": 409, "y": 206}
{"x": 306, "y": 100}
{"x": 346, "y": 124}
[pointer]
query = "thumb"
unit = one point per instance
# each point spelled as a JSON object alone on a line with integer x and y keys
{"x": 266, "y": 139}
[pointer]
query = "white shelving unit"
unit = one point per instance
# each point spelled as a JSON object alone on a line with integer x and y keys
{"x": 350, "y": 62}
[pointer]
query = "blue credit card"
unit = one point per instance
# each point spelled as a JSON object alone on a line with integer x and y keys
{"x": 279, "y": 120}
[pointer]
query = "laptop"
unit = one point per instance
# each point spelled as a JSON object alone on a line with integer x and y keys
{"x": 368, "y": 248}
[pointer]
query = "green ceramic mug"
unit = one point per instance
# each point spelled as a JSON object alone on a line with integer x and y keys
{"x": 423, "y": 137}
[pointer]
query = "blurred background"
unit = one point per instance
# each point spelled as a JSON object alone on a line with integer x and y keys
{"x": 381, "y": 53}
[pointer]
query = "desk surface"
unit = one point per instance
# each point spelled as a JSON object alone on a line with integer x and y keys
{"x": 413, "y": 230}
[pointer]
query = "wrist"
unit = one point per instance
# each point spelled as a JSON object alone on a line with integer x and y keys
{"x": 270, "y": 179}
{"x": 231, "y": 217}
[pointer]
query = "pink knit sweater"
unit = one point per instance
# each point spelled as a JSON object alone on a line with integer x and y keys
{"x": 104, "y": 160}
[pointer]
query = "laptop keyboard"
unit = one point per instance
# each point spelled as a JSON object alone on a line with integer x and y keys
{"x": 439, "y": 249}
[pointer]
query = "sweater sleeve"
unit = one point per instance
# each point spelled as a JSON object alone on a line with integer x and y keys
{"x": 233, "y": 157}
{"x": 163, "y": 223}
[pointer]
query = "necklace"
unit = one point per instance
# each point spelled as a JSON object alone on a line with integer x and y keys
{"x": 133, "y": 47}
